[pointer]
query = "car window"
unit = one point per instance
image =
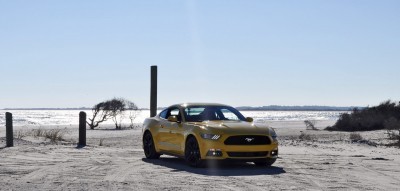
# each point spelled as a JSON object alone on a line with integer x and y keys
{"x": 174, "y": 112}
{"x": 194, "y": 111}
{"x": 229, "y": 115}
{"x": 204, "y": 113}
{"x": 163, "y": 114}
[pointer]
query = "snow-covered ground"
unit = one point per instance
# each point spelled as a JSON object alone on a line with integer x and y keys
{"x": 325, "y": 161}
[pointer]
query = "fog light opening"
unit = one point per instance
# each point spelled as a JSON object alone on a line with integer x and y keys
{"x": 214, "y": 152}
{"x": 274, "y": 153}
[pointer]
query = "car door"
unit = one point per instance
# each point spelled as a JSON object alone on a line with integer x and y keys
{"x": 177, "y": 132}
{"x": 163, "y": 133}
{"x": 167, "y": 135}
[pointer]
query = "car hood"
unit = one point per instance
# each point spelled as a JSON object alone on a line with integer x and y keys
{"x": 234, "y": 127}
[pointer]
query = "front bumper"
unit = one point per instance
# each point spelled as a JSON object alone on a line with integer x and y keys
{"x": 210, "y": 149}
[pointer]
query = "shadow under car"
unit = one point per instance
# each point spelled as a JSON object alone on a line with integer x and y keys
{"x": 217, "y": 168}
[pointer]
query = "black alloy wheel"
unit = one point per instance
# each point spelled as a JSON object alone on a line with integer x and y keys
{"x": 192, "y": 153}
{"x": 148, "y": 146}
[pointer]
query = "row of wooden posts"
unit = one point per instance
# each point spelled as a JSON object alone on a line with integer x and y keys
{"x": 82, "y": 115}
{"x": 10, "y": 134}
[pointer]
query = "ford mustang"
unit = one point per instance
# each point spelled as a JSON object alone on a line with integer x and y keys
{"x": 199, "y": 132}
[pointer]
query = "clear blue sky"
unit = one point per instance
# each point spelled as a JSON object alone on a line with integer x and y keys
{"x": 77, "y": 53}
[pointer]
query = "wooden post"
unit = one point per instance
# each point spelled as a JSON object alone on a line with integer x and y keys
{"x": 9, "y": 130}
{"x": 82, "y": 129}
{"x": 153, "y": 92}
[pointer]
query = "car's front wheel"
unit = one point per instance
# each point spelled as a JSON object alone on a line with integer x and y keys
{"x": 148, "y": 146}
{"x": 265, "y": 162}
{"x": 192, "y": 153}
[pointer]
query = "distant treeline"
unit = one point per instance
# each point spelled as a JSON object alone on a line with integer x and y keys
{"x": 242, "y": 108}
{"x": 297, "y": 108}
{"x": 80, "y": 108}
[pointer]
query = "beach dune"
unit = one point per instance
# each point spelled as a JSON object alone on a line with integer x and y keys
{"x": 114, "y": 160}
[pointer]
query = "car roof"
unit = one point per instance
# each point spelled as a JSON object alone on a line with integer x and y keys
{"x": 197, "y": 104}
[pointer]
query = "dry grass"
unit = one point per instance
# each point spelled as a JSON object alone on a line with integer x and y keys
{"x": 306, "y": 137}
{"x": 20, "y": 134}
{"x": 54, "y": 135}
{"x": 38, "y": 133}
{"x": 355, "y": 137}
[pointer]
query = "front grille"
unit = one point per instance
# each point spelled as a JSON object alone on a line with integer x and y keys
{"x": 247, "y": 140}
{"x": 248, "y": 154}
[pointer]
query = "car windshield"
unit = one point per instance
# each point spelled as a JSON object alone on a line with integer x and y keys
{"x": 209, "y": 113}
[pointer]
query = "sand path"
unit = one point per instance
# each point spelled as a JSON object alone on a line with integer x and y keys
{"x": 119, "y": 165}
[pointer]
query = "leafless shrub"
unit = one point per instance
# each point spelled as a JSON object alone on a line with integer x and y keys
{"x": 305, "y": 137}
{"x": 340, "y": 136}
{"x": 355, "y": 137}
{"x": 38, "y": 133}
{"x": 133, "y": 112}
{"x": 112, "y": 109}
{"x": 117, "y": 108}
{"x": 310, "y": 124}
{"x": 101, "y": 113}
{"x": 20, "y": 134}
{"x": 54, "y": 135}
{"x": 292, "y": 138}
{"x": 392, "y": 126}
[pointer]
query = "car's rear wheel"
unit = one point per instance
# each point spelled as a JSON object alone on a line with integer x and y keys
{"x": 148, "y": 146}
{"x": 265, "y": 162}
{"x": 192, "y": 153}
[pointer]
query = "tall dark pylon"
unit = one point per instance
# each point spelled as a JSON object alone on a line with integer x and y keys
{"x": 153, "y": 91}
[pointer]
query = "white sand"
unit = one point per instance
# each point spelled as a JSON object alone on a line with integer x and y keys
{"x": 329, "y": 161}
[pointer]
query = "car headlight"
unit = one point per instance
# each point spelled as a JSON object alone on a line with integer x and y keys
{"x": 210, "y": 136}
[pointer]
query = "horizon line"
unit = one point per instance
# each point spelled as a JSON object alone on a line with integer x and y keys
{"x": 159, "y": 108}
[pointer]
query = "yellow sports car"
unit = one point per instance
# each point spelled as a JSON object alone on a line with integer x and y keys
{"x": 203, "y": 131}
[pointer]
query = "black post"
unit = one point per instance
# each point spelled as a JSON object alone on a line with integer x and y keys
{"x": 9, "y": 130}
{"x": 153, "y": 92}
{"x": 82, "y": 129}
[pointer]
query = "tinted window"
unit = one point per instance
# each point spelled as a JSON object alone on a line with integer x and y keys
{"x": 192, "y": 111}
{"x": 171, "y": 112}
{"x": 174, "y": 112}
{"x": 163, "y": 114}
{"x": 205, "y": 113}
{"x": 229, "y": 115}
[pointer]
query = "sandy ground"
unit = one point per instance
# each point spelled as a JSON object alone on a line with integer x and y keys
{"x": 325, "y": 161}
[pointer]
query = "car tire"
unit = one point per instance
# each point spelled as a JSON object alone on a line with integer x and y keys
{"x": 192, "y": 153}
{"x": 265, "y": 162}
{"x": 148, "y": 147}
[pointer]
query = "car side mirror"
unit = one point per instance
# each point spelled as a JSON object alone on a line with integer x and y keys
{"x": 249, "y": 119}
{"x": 172, "y": 119}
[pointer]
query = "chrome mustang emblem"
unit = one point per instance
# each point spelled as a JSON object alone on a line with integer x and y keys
{"x": 249, "y": 139}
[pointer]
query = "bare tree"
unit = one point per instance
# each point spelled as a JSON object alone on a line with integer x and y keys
{"x": 310, "y": 124}
{"x": 112, "y": 109}
{"x": 133, "y": 112}
{"x": 100, "y": 114}
{"x": 117, "y": 108}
